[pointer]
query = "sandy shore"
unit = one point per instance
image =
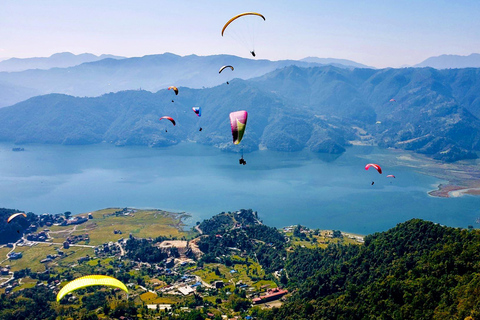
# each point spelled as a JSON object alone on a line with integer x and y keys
{"x": 458, "y": 179}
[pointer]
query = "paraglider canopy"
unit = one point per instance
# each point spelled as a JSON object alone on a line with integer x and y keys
{"x": 13, "y": 216}
{"x": 168, "y": 118}
{"x": 198, "y": 111}
{"x": 393, "y": 100}
{"x": 376, "y": 166}
{"x": 390, "y": 176}
{"x": 224, "y": 67}
{"x": 175, "y": 89}
{"x": 87, "y": 281}
{"x": 241, "y": 15}
{"x": 238, "y": 122}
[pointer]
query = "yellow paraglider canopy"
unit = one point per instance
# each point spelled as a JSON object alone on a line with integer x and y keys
{"x": 87, "y": 281}
{"x": 241, "y": 15}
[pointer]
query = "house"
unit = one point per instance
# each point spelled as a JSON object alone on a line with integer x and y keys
{"x": 15, "y": 255}
{"x": 272, "y": 294}
{"x": 186, "y": 290}
{"x": 82, "y": 259}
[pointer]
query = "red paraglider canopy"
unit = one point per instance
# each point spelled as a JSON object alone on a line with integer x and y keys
{"x": 376, "y": 166}
{"x": 168, "y": 118}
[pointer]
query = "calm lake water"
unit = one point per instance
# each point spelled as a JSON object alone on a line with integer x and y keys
{"x": 318, "y": 191}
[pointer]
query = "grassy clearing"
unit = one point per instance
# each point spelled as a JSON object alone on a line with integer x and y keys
{"x": 27, "y": 283}
{"x": 266, "y": 284}
{"x": 242, "y": 273}
{"x": 167, "y": 300}
{"x": 73, "y": 254}
{"x": 148, "y": 296}
{"x": 104, "y": 262}
{"x": 143, "y": 224}
{"x": 322, "y": 240}
{"x": 32, "y": 256}
{"x": 3, "y": 252}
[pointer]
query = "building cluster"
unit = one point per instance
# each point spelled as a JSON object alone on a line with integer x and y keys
{"x": 110, "y": 248}
{"x": 40, "y": 236}
{"x": 5, "y": 271}
{"x": 51, "y": 257}
{"x": 52, "y": 285}
{"x": 74, "y": 220}
{"x": 77, "y": 238}
{"x": 272, "y": 294}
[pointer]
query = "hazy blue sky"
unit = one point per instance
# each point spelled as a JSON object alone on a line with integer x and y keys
{"x": 379, "y": 33}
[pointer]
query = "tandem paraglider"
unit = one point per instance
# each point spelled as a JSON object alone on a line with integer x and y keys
{"x": 238, "y": 122}
{"x": 168, "y": 118}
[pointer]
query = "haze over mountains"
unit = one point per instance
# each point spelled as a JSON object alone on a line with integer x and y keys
{"x": 57, "y": 60}
{"x": 451, "y": 61}
{"x": 152, "y": 73}
{"x": 316, "y": 108}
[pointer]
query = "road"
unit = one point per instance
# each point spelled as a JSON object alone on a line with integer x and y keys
{"x": 13, "y": 249}
{"x": 147, "y": 289}
{"x": 61, "y": 244}
{"x": 122, "y": 252}
{"x": 198, "y": 279}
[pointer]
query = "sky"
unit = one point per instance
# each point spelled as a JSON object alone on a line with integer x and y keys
{"x": 378, "y": 33}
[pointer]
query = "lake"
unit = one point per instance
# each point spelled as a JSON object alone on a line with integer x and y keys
{"x": 319, "y": 191}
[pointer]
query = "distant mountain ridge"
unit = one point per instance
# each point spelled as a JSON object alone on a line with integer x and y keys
{"x": 151, "y": 72}
{"x": 57, "y": 60}
{"x": 451, "y": 61}
{"x": 322, "y": 109}
{"x": 336, "y": 62}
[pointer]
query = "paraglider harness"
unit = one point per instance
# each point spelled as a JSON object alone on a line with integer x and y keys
{"x": 241, "y": 160}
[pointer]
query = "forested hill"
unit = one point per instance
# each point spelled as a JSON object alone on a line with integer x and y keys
{"x": 434, "y": 112}
{"x": 417, "y": 270}
{"x": 11, "y": 232}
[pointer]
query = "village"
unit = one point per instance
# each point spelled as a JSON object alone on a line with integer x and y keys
{"x": 185, "y": 278}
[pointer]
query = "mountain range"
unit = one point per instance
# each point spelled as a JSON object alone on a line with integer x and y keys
{"x": 322, "y": 109}
{"x": 451, "y": 61}
{"x": 152, "y": 73}
{"x": 57, "y": 60}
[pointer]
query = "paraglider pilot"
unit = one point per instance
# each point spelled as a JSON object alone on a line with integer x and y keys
{"x": 253, "y": 53}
